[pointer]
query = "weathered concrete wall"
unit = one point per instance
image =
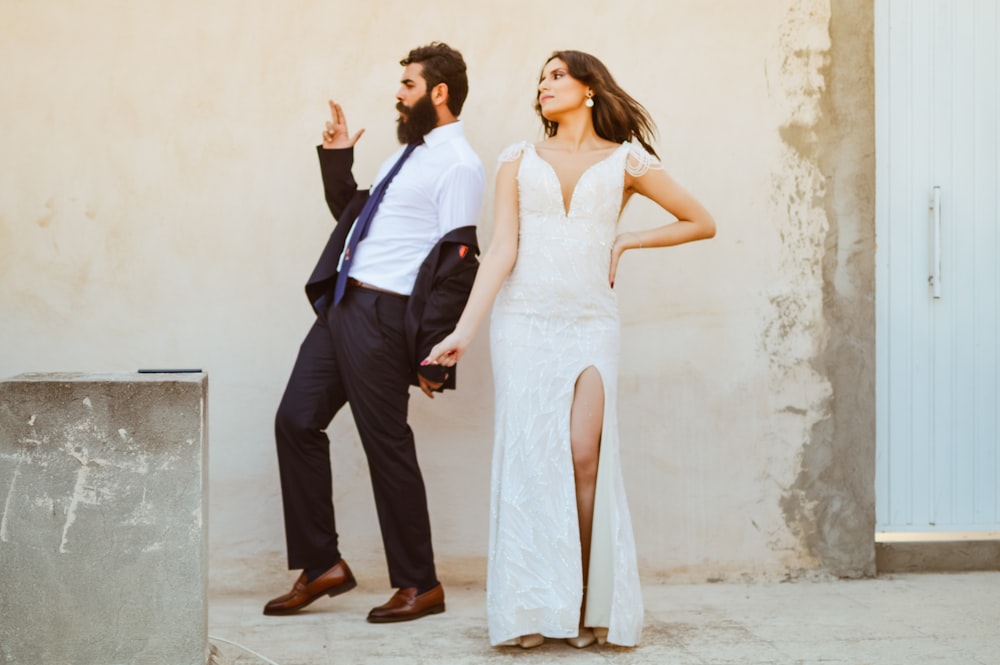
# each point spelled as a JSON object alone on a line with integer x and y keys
{"x": 161, "y": 205}
{"x": 830, "y": 506}
{"x": 103, "y": 534}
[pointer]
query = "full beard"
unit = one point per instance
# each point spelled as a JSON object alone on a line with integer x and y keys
{"x": 416, "y": 121}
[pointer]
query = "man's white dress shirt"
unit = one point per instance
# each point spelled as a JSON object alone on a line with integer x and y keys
{"x": 438, "y": 189}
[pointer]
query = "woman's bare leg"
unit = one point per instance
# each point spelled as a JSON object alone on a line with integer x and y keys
{"x": 585, "y": 424}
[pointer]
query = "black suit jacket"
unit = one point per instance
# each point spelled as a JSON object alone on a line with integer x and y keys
{"x": 443, "y": 282}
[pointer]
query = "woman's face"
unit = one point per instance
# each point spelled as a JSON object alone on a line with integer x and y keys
{"x": 558, "y": 92}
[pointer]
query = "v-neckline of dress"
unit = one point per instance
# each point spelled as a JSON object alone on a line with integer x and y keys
{"x": 567, "y": 209}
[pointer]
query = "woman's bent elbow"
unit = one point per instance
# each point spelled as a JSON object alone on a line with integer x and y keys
{"x": 708, "y": 229}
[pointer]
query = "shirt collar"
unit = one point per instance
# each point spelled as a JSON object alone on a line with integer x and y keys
{"x": 444, "y": 133}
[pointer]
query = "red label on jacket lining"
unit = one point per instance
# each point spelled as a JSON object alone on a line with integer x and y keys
{"x": 463, "y": 250}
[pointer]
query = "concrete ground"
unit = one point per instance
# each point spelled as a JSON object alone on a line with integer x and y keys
{"x": 897, "y": 619}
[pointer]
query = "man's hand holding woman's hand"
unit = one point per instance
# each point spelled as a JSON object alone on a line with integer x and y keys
{"x": 448, "y": 351}
{"x": 445, "y": 353}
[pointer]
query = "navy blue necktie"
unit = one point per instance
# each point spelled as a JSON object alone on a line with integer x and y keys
{"x": 364, "y": 221}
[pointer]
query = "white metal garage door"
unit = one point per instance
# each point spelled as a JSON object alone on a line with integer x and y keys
{"x": 937, "y": 268}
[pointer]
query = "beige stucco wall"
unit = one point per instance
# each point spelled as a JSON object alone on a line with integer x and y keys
{"x": 160, "y": 206}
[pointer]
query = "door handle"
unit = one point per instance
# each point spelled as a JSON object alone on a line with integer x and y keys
{"x": 935, "y": 277}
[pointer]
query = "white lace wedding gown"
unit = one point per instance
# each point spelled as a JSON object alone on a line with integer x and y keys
{"x": 555, "y": 316}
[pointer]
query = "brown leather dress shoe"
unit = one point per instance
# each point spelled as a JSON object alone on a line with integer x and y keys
{"x": 406, "y": 605}
{"x": 337, "y": 580}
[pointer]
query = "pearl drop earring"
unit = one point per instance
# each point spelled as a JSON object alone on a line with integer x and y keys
{"x": 590, "y": 101}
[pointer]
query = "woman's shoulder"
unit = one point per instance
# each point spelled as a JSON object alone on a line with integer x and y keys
{"x": 638, "y": 159}
{"x": 513, "y": 152}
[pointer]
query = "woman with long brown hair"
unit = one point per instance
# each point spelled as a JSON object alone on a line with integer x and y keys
{"x": 562, "y": 560}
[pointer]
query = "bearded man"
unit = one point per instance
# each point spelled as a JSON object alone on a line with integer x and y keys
{"x": 390, "y": 283}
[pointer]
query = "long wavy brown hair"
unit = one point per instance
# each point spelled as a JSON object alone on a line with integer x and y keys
{"x": 617, "y": 116}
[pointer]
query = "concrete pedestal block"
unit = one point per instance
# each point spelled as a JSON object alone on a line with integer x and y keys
{"x": 103, "y": 532}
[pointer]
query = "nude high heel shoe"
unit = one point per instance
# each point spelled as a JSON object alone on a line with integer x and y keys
{"x": 524, "y": 641}
{"x": 584, "y": 638}
{"x": 601, "y": 635}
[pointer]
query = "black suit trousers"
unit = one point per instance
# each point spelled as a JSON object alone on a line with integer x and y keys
{"x": 354, "y": 354}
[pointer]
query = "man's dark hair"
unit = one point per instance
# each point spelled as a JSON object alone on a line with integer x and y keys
{"x": 442, "y": 64}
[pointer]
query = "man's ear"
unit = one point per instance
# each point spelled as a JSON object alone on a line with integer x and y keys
{"x": 439, "y": 94}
